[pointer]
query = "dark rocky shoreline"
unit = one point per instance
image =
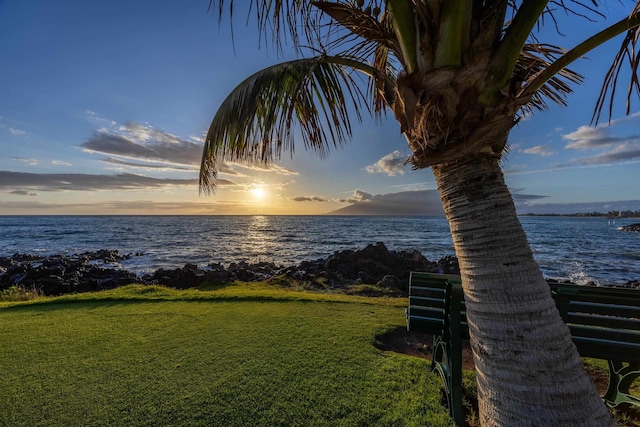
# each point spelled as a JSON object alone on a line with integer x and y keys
{"x": 94, "y": 271}
{"x": 632, "y": 227}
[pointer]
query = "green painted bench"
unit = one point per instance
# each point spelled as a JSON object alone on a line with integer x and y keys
{"x": 604, "y": 324}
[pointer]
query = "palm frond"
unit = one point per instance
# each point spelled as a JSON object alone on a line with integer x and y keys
{"x": 381, "y": 98}
{"x": 255, "y": 122}
{"x": 363, "y": 23}
{"x": 628, "y": 25}
{"x": 573, "y": 7}
{"x": 628, "y": 52}
{"x": 277, "y": 19}
{"x": 533, "y": 60}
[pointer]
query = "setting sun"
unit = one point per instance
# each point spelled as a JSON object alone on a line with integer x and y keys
{"x": 258, "y": 193}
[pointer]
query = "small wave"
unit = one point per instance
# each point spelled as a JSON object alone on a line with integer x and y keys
{"x": 581, "y": 277}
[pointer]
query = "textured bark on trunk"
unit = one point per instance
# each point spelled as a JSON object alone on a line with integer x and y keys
{"x": 529, "y": 372}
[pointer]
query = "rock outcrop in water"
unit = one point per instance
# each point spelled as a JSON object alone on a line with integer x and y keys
{"x": 631, "y": 227}
{"x": 93, "y": 271}
{"x": 61, "y": 274}
{"x": 374, "y": 264}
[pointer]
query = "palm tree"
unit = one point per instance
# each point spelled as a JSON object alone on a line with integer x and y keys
{"x": 457, "y": 76}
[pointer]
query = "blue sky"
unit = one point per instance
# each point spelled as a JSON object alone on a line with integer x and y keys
{"x": 104, "y": 105}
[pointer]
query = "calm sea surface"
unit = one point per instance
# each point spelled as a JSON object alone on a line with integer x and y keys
{"x": 579, "y": 249}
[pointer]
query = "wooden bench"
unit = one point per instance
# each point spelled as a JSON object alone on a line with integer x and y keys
{"x": 604, "y": 324}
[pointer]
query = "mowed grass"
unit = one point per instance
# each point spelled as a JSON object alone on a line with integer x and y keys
{"x": 237, "y": 356}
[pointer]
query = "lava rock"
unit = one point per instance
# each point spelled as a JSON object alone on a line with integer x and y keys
{"x": 631, "y": 227}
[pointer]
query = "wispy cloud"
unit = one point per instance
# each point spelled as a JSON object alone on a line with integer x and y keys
{"x": 309, "y": 199}
{"x": 151, "y": 166}
{"x": 523, "y": 198}
{"x": 391, "y": 164}
{"x": 416, "y": 186}
{"x": 540, "y": 150}
{"x": 12, "y": 130}
{"x": 606, "y": 138}
{"x": 93, "y": 116}
{"x": 136, "y": 141}
{"x": 60, "y": 163}
{"x": 20, "y": 181}
{"x": 141, "y": 146}
{"x": 280, "y": 170}
{"x": 17, "y": 132}
{"x": 28, "y": 160}
{"x": 23, "y": 193}
{"x": 621, "y": 153}
{"x": 588, "y": 137}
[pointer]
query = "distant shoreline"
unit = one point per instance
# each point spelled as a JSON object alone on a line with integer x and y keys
{"x": 610, "y": 215}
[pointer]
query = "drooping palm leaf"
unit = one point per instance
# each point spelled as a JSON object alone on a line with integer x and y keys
{"x": 380, "y": 95}
{"x": 256, "y": 122}
{"x": 534, "y": 59}
{"x": 276, "y": 19}
{"x": 628, "y": 52}
{"x": 629, "y": 25}
{"x": 360, "y": 22}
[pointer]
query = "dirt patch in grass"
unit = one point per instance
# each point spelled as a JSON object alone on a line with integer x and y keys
{"x": 418, "y": 344}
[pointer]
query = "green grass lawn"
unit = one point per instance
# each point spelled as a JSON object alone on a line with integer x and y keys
{"x": 229, "y": 357}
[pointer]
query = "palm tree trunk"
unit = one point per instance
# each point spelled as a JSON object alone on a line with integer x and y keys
{"x": 529, "y": 372}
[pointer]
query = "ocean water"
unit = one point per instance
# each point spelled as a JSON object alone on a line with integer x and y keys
{"x": 578, "y": 249}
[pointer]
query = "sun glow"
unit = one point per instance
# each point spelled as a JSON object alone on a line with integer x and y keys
{"x": 258, "y": 193}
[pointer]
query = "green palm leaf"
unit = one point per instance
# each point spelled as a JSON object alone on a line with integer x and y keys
{"x": 256, "y": 122}
{"x": 628, "y": 52}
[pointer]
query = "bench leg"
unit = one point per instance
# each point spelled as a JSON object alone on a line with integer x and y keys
{"x": 447, "y": 362}
{"x": 620, "y": 379}
{"x": 439, "y": 365}
{"x": 454, "y": 355}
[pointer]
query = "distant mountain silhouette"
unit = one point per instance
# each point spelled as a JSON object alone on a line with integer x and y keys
{"x": 425, "y": 202}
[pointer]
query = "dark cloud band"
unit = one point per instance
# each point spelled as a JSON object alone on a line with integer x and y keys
{"x": 19, "y": 181}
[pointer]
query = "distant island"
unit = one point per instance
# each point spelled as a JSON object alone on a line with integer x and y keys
{"x": 610, "y": 214}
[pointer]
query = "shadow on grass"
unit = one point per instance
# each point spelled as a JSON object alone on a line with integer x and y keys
{"x": 137, "y": 293}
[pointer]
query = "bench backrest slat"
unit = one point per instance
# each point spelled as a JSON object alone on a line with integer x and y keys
{"x": 427, "y": 301}
{"x": 604, "y": 309}
{"x": 607, "y": 350}
{"x": 433, "y": 313}
{"x": 427, "y": 325}
{"x": 605, "y": 334}
{"x": 609, "y": 295}
{"x": 604, "y": 321}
